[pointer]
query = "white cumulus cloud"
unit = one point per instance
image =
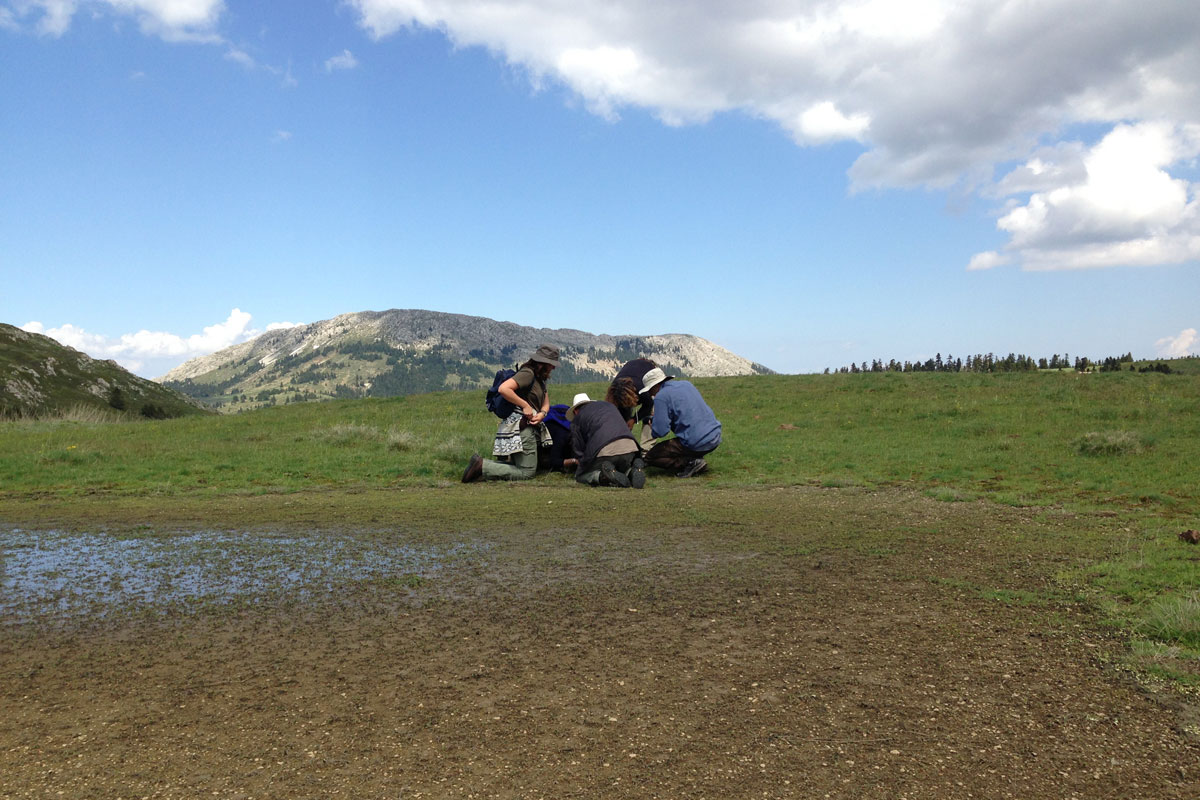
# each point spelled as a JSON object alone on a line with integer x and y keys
{"x": 171, "y": 19}
{"x": 823, "y": 122}
{"x": 345, "y": 60}
{"x": 90, "y": 343}
{"x": 1115, "y": 204}
{"x": 134, "y": 351}
{"x": 987, "y": 260}
{"x": 238, "y": 56}
{"x": 1177, "y": 346}
{"x": 174, "y": 19}
{"x": 938, "y": 93}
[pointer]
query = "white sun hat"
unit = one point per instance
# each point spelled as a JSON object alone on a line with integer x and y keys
{"x": 580, "y": 400}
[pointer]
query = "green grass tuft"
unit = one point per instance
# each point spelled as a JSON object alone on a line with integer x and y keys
{"x": 1110, "y": 443}
{"x": 1174, "y": 620}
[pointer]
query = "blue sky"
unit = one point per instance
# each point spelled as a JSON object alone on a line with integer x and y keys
{"x": 808, "y": 184}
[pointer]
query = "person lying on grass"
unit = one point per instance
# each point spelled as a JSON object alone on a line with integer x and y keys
{"x": 679, "y": 409}
{"x": 607, "y": 452}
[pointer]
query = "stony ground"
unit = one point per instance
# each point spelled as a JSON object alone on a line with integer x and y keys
{"x": 826, "y": 644}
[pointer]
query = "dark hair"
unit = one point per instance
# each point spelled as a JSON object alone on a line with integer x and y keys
{"x": 623, "y": 393}
{"x": 541, "y": 370}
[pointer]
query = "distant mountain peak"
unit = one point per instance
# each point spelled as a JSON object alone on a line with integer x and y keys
{"x": 404, "y": 351}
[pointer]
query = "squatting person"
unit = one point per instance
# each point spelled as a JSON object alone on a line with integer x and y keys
{"x": 608, "y": 454}
{"x": 679, "y": 409}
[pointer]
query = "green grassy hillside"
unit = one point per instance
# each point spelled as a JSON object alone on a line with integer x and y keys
{"x": 1113, "y": 440}
{"x": 39, "y": 377}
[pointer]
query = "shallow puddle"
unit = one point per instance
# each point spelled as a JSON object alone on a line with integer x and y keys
{"x": 52, "y": 574}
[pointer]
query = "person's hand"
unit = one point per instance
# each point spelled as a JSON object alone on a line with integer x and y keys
{"x": 528, "y": 411}
{"x": 536, "y": 418}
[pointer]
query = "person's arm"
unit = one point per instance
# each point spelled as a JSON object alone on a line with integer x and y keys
{"x": 577, "y": 443}
{"x": 660, "y": 423}
{"x": 508, "y": 390}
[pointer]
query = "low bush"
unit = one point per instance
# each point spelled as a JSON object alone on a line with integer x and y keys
{"x": 1110, "y": 443}
{"x": 1174, "y": 620}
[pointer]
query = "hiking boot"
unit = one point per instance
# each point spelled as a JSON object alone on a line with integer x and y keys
{"x": 609, "y": 476}
{"x": 474, "y": 470}
{"x": 637, "y": 474}
{"x": 694, "y": 467}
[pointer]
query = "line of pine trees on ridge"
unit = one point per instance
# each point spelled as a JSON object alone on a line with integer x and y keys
{"x": 990, "y": 362}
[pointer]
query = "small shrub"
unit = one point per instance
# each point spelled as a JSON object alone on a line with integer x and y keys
{"x": 1110, "y": 443}
{"x": 1173, "y": 619}
{"x": 839, "y": 482}
{"x": 400, "y": 440}
{"x": 349, "y": 433}
{"x": 947, "y": 494}
{"x": 86, "y": 414}
{"x": 153, "y": 411}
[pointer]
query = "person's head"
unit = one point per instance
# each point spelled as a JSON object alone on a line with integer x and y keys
{"x": 623, "y": 393}
{"x": 580, "y": 400}
{"x": 654, "y": 380}
{"x": 543, "y": 361}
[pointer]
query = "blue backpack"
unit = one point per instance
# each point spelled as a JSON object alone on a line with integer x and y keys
{"x": 495, "y": 401}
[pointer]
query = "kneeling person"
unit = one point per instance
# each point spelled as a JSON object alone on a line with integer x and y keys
{"x": 679, "y": 409}
{"x": 608, "y": 454}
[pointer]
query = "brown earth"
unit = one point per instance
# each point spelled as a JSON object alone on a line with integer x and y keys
{"x": 774, "y": 644}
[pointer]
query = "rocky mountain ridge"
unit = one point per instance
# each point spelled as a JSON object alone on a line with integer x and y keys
{"x": 403, "y": 351}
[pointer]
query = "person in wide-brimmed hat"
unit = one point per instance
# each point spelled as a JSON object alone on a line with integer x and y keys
{"x": 520, "y": 434}
{"x": 608, "y": 454}
{"x": 679, "y": 409}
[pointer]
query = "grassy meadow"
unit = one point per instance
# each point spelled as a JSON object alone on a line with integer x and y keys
{"x": 1117, "y": 448}
{"x": 1116, "y": 441}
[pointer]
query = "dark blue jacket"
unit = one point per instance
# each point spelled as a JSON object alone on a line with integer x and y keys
{"x": 560, "y": 431}
{"x": 596, "y": 424}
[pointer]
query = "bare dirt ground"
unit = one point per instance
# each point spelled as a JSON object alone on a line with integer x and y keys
{"x": 831, "y": 644}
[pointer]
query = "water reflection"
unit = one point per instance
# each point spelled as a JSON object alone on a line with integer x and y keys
{"x": 72, "y": 574}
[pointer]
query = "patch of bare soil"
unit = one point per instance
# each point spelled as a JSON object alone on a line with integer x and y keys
{"x": 687, "y": 669}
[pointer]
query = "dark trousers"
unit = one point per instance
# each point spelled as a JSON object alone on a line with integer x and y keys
{"x": 622, "y": 463}
{"x": 670, "y": 454}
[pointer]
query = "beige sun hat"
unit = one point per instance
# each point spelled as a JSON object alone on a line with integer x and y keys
{"x": 653, "y": 378}
{"x": 580, "y": 400}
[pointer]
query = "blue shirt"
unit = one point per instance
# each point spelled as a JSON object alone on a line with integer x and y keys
{"x": 679, "y": 409}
